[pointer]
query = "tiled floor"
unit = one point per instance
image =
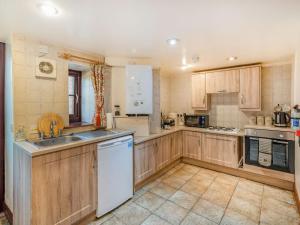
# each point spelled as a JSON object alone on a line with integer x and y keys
{"x": 190, "y": 195}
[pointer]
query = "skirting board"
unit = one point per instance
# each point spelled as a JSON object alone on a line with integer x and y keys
{"x": 8, "y": 213}
{"x": 244, "y": 174}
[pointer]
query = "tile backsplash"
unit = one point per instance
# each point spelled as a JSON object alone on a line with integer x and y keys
{"x": 224, "y": 108}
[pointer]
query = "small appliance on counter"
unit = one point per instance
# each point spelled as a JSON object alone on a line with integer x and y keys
{"x": 282, "y": 116}
{"x": 201, "y": 121}
{"x": 166, "y": 122}
{"x": 270, "y": 149}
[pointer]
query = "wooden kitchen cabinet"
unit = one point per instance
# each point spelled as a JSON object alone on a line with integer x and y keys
{"x": 163, "y": 152}
{"x": 176, "y": 145}
{"x": 220, "y": 149}
{"x": 199, "y": 96}
{"x": 250, "y": 89}
{"x": 63, "y": 187}
{"x": 226, "y": 81}
{"x": 192, "y": 145}
{"x": 144, "y": 160}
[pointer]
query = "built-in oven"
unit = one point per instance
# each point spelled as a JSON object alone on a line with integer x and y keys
{"x": 270, "y": 149}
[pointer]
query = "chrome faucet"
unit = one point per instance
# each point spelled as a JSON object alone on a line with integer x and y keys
{"x": 52, "y": 125}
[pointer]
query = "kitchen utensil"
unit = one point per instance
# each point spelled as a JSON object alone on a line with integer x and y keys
{"x": 268, "y": 121}
{"x": 281, "y": 119}
{"x": 45, "y": 121}
{"x": 278, "y": 108}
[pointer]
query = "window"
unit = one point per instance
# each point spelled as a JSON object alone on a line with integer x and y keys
{"x": 74, "y": 96}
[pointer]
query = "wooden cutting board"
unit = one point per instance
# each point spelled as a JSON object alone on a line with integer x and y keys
{"x": 45, "y": 121}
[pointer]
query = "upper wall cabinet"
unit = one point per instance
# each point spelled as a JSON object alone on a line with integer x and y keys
{"x": 250, "y": 89}
{"x": 199, "y": 97}
{"x": 226, "y": 81}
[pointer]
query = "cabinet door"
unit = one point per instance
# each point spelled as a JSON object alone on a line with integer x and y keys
{"x": 199, "y": 97}
{"x": 215, "y": 82}
{"x": 232, "y": 81}
{"x": 220, "y": 149}
{"x": 250, "y": 89}
{"x": 64, "y": 187}
{"x": 192, "y": 145}
{"x": 163, "y": 152}
{"x": 144, "y": 161}
{"x": 176, "y": 145}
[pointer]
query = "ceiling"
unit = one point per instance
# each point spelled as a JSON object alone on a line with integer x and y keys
{"x": 252, "y": 30}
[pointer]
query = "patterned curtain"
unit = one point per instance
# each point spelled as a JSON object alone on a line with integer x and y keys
{"x": 98, "y": 84}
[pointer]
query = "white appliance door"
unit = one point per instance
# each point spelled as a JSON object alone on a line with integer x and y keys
{"x": 115, "y": 173}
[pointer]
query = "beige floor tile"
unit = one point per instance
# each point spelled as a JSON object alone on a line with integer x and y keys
{"x": 234, "y": 218}
{"x": 279, "y": 194}
{"x": 163, "y": 190}
{"x": 247, "y": 195}
{"x": 217, "y": 197}
{"x": 280, "y": 207}
{"x": 219, "y": 185}
{"x": 191, "y": 169}
{"x": 150, "y": 185}
{"x": 139, "y": 193}
{"x": 150, "y": 201}
{"x": 195, "y": 188}
{"x": 245, "y": 208}
{"x": 182, "y": 174}
{"x": 132, "y": 214}
{"x": 203, "y": 176}
{"x": 102, "y": 219}
{"x": 113, "y": 221}
{"x": 174, "y": 182}
{"x": 212, "y": 173}
{"x": 155, "y": 220}
{"x": 209, "y": 210}
{"x": 194, "y": 219}
{"x": 171, "y": 212}
{"x": 273, "y": 218}
{"x": 184, "y": 199}
{"x": 251, "y": 186}
{"x": 228, "y": 179}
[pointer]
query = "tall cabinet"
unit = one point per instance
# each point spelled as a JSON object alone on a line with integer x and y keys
{"x": 199, "y": 97}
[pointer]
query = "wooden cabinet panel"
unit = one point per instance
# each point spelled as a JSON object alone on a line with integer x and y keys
{"x": 64, "y": 190}
{"x": 199, "y": 97}
{"x": 176, "y": 146}
{"x": 163, "y": 152}
{"x": 192, "y": 145}
{"x": 144, "y": 160}
{"x": 221, "y": 150}
{"x": 226, "y": 81}
{"x": 232, "y": 81}
{"x": 250, "y": 89}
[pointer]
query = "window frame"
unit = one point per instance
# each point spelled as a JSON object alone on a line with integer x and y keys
{"x": 76, "y": 117}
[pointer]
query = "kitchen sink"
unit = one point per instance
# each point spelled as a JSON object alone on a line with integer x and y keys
{"x": 96, "y": 133}
{"x": 56, "y": 141}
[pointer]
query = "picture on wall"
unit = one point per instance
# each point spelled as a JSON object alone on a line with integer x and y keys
{"x": 45, "y": 68}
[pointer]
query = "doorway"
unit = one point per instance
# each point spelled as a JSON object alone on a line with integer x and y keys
{"x": 2, "y": 74}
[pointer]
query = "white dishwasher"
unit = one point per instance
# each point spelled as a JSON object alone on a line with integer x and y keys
{"x": 115, "y": 173}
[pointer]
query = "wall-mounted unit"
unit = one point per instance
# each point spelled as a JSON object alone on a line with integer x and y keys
{"x": 139, "y": 89}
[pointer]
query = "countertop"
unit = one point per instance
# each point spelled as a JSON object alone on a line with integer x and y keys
{"x": 284, "y": 129}
{"x": 141, "y": 139}
{"x": 34, "y": 151}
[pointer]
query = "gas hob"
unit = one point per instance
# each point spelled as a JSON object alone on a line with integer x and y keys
{"x": 224, "y": 129}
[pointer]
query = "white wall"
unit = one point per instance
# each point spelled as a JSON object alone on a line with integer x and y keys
{"x": 9, "y": 136}
{"x": 118, "y": 88}
{"x": 296, "y": 100}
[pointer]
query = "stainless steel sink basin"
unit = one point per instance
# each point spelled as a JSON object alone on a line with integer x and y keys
{"x": 96, "y": 133}
{"x": 56, "y": 141}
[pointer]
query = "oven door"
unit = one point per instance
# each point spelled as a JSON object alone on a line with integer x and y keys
{"x": 251, "y": 150}
{"x": 283, "y": 155}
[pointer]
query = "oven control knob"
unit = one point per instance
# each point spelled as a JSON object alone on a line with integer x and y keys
{"x": 281, "y": 135}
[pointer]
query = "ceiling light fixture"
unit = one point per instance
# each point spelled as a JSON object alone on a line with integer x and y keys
{"x": 172, "y": 41}
{"x": 48, "y": 8}
{"x": 232, "y": 58}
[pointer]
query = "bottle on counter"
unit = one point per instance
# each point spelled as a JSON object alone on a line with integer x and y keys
{"x": 295, "y": 118}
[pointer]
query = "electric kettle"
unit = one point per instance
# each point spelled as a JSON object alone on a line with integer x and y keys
{"x": 281, "y": 119}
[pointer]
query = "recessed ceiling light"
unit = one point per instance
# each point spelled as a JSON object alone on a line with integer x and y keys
{"x": 232, "y": 58}
{"x": 172, "y": 41}
{"x": 48, "y": 8}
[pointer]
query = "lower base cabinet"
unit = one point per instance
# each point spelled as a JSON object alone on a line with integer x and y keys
{"x": 57, "y": 188}
{"x": 192, "y": 145}
{"x": 220, "y": 149}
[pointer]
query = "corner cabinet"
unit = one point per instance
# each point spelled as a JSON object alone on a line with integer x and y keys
{"x": 221, "y": 150}
{"x": 199, "y": 96}
{"x": 56, "y": 188}
{"x": 250, "y": 89}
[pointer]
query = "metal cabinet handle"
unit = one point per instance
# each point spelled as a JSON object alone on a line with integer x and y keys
{"x": 77, "y": 98}
{"x": 242, "y": 99}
